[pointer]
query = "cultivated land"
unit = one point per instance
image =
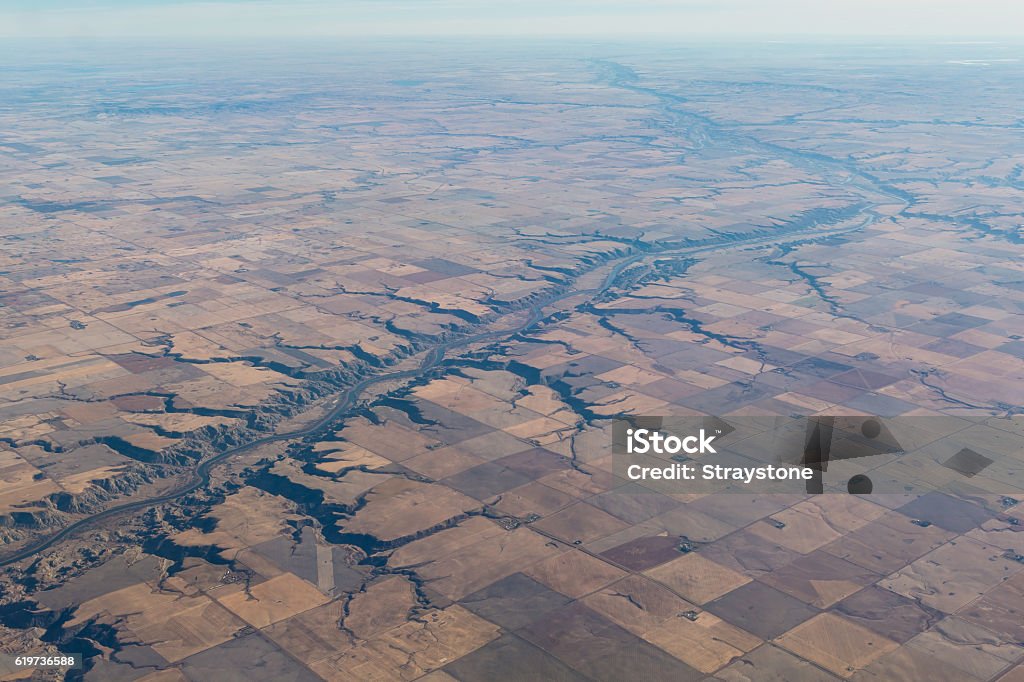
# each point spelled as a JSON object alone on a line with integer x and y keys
{"x": 308, "y": 363}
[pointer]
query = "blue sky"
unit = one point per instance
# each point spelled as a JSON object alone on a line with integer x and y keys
{"x": 712, "y": 18}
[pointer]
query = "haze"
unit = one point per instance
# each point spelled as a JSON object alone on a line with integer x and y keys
{"x": 690, "y": 18}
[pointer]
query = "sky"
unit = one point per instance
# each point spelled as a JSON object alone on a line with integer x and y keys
{"x": 952, "y": 19}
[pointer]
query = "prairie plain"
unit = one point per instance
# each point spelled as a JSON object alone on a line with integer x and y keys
{"x": 309, "y": 359}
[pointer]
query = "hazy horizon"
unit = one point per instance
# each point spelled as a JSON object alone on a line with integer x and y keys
{"x": 727, "y": 19}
